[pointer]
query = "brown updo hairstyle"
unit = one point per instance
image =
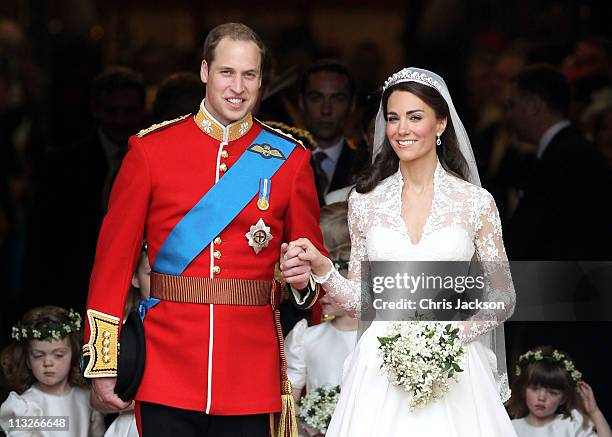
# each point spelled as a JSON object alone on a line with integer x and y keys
{"x": 387, "y": 162}
{"x": 549, "y": 374}
{"x": 14, "y": 357}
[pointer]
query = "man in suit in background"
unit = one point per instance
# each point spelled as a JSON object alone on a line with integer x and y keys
{"x": 564, "y": 213}
{"x": 327, "y": 98}
{"x": 73, "y": 185}
{"x": 179, "y": 94}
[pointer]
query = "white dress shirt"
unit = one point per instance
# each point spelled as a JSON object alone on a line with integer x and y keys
{"x": 329, "y": 165}
{"x": 549, "y": 134}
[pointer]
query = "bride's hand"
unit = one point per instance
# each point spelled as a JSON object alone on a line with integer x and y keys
{"x": 319, "y": 264}
{"x": 295, "y": 272}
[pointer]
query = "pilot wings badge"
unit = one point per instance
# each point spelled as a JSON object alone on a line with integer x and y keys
{"x": 267, "y": 151}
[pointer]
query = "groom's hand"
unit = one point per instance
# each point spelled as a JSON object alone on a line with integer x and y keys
{"x": 105, "y": 398}
{"x": 319, "y": 264}
{"x": 294, "y": 270}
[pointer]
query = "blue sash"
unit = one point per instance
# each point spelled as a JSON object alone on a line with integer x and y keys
{"x": 222, "y": 203}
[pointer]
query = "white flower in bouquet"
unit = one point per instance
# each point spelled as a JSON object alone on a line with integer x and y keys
{"x": 316, "y": 408}
{"x": 422, "y": 358}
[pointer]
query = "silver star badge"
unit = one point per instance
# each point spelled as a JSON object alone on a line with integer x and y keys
{"x": 259, "y": 236}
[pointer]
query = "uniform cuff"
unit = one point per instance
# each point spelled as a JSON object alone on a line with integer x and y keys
{"x": 101, "y": 353}
{"x": 306, "y": 300}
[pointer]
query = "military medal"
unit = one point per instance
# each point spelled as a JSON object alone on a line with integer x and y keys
{"x": 259, "y": 236}
{"x": 263, "y": 202}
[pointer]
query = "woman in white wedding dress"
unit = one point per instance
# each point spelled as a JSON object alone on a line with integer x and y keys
{"x": 416, "y": 203}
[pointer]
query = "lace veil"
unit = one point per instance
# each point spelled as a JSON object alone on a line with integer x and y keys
{"x": 494, "y": 339}
{"x": 425, "y": 77}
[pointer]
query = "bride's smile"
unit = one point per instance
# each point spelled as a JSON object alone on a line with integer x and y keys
{"x": 412, "y": 127}
{"x": 420, "y": 201}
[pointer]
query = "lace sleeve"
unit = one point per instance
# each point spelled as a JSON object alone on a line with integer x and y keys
{"x": 499, "y": 288}
{"x": 346, "y": 292}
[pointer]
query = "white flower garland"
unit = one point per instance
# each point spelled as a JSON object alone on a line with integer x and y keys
{"x": 48, "y": 330}
{"x": 556, "y": 357}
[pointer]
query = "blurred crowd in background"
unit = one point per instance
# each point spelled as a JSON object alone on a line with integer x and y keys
{"x": 77, "y": 78}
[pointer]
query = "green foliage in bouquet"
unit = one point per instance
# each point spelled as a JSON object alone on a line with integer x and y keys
{"x": 422, "y": 358}
{"x": 316, "y": 408}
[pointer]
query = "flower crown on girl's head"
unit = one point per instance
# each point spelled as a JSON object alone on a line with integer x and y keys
{"x": 48, "y": 329}
{"x": 533, "y": 356}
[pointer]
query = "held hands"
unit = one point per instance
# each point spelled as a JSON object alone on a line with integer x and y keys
{"x": 298, "y": 259}
{"x": 104, "y": 397}
{"x": 295, "y": 271}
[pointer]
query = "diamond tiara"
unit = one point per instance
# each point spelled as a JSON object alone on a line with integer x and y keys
{"x": 407, "y": 75}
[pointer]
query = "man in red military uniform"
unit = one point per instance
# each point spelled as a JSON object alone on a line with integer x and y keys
{"x": 215, "y": 194}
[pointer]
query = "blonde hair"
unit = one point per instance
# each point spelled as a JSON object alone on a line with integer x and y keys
{"x": 334, "y": 226}
{"x": 134, "y": 294}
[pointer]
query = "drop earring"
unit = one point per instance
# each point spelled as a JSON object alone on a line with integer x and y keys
{"x": 438, "y": 140}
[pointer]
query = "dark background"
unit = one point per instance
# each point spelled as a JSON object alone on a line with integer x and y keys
{"x": 54, "y": 49}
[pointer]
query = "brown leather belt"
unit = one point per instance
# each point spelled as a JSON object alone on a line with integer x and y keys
{"x": 210, "y": 291}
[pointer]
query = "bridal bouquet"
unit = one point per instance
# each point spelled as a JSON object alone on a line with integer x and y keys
{"x": 316, "y": 408}
{"x": 422, "y": 358}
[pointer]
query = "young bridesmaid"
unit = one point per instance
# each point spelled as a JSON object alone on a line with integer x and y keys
{"x": 41, "y": 364}
{"x": 316, "y": 354}
{"x": 549, "y": 398}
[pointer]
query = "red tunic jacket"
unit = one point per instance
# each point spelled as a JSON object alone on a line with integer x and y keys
{"x": 219, "y": 359}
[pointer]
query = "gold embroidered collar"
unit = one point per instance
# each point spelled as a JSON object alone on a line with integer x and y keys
{"x": 212, "y": 127}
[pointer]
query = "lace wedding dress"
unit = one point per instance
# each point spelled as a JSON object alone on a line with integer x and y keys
{"x": 463, "y": 221}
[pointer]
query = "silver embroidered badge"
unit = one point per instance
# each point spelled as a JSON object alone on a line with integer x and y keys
{"x": 259, "y": 236}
